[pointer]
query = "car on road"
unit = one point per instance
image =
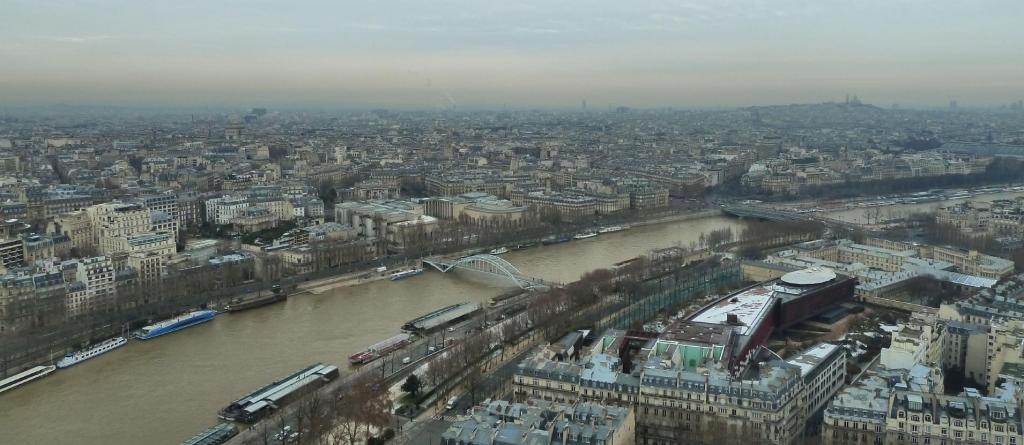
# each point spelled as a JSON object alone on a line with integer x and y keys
{"x": 451, "y": 402}
{"x": 406, "y": 361}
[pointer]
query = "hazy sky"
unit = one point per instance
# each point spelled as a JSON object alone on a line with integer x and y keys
{"x": 431, "y": 53}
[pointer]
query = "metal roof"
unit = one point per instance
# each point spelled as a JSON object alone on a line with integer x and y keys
{"x": 809, "y": 276}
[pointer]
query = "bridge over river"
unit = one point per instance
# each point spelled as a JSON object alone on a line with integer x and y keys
{"x": 782, "y": 215}
{"x": 492, "y": 265}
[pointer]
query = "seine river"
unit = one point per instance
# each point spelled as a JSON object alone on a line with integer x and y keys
{"x": 164, "y": 390}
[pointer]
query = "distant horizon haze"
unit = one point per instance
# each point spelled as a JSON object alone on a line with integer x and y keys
{"x": 466, "y": 54}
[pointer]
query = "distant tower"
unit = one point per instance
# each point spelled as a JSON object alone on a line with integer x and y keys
{"x": 952, "y": 105}
{"x": 847, "y": 99}
{"x": 583, "y": 105}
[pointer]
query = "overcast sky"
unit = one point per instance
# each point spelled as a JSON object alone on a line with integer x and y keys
{"x": 553, "y": 53}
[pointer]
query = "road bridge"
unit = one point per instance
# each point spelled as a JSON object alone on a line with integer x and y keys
{"x": 761, "y": 212}
{"x": 781, "y": 215}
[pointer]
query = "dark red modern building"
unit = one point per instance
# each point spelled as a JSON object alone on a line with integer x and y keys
{"x": 757, "y": 311}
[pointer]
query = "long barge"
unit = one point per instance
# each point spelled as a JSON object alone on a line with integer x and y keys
{"x": 25, "y": 376}
{"x": 216, "y": 435}
{"x": 401, "y": 275}
{"x": 380, "y": 349}
{"x": 555, "y": 240}
{"x": 175, "y": 324}
{"x": 441, "y": 317}
{"x": 263, "y": 401}
{"x": 75, "y": 358}
{"x": 240, "y": 305}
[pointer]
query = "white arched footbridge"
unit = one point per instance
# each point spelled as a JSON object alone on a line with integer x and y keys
{"x": 488, "y": 264}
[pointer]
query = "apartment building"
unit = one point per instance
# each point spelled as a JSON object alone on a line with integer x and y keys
{"x": 857, "y": 415}
{"x": 682, "y": 392}
{"x": 12, "y": 253}
{"x": 77, "y": 226}
{"x": 916, "y": 341}
{"x": 148, "y": 265}
{"x": 222, "y": 211}
{"x": 163, "y": 202}
{"x": 298, "y": 260}
{"x": 31, "y": 300}
{"x": 96, "y": 275}
{"x": 646, "y": 197}
{"x": 965, "y": 348}
{"x": 937, "y": 419}
{"x": 823, "y": 368}
{"x": 112, "y": 222}
{"x": 998, "y": 218}
{"x": 1004, "y": 349}
{"x": 160, "y": 243}
{"x": 541, "y": 422}
{"x": 190, "y": 211}
{"x": 164, "y": 222}
{"x": 568, "y": 207}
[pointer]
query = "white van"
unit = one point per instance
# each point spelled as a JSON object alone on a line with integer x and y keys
{"x": 406, "y": 361}
{"x": 451, "y": 402}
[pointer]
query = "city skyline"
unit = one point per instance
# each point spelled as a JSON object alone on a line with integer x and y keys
{"x": 693, "y": 222}
{"x": 462, "y": 54}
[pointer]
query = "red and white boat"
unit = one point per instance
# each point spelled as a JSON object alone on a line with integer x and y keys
{"x": 380, "y": 349}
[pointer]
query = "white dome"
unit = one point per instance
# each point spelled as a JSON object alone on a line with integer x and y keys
{"x": 813, "y": 275}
